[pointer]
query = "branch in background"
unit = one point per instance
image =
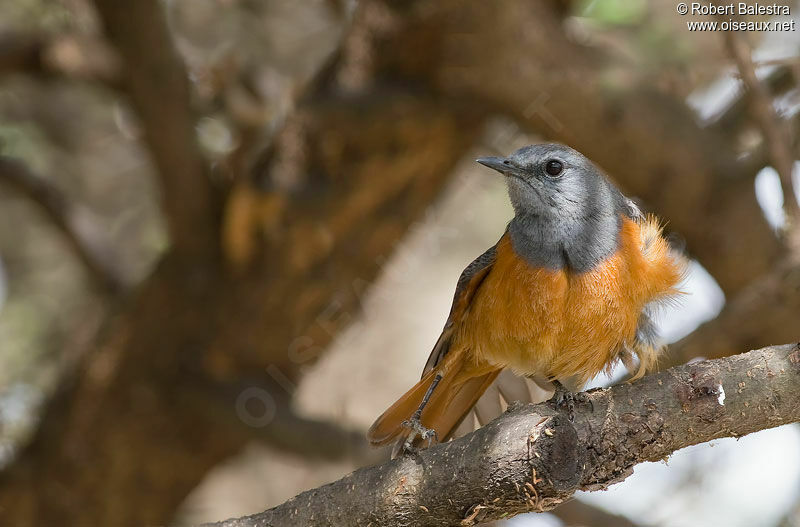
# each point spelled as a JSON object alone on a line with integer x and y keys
{"x": 777, "y": 133}
{"x": 284, "y": 430}
{"x": 87, "y": 239}
{"x": 314, "y": 439}
{"x": 158, "y": 86}
{"x": 777, "y": 82}
{"x": 767, "y": 309}
{"x": 533, "y": 457}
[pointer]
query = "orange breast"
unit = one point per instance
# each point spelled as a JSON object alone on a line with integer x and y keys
{"x": 566, "y": 325}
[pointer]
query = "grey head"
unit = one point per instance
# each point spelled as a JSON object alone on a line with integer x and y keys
{"x": 567, "y": 213}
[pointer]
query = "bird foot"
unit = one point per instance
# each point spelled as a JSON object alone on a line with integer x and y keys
{"x": 563, "y": 398}
{"x": 417, "y": 429}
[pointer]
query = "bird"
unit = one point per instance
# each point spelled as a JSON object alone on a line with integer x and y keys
{"x": 569, "y": 290}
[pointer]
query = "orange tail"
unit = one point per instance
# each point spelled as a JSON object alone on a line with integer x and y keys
{"x": 457, "y": 392}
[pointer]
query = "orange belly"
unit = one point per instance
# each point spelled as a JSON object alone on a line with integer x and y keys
{"x": 564, "y": 325}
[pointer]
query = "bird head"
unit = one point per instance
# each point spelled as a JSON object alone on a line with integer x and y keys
{"x": 553, "y": 181}
{"x": 567, "y": 213}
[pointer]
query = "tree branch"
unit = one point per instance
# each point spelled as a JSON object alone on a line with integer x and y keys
{"x": 158, "y": 86}
{"x": 534, "y": 457}
{"x": 283, "y": 429}
{"x": 777, "y": 133}
{"x": 83, "y": 234}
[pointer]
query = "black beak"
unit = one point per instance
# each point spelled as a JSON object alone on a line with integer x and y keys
{"x": 500, "y": 164}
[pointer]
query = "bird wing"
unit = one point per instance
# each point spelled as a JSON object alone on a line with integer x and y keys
{"x": 468, "y": 284}
{"x": 451, "y": 400}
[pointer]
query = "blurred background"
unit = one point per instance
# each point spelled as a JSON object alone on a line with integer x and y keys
{"x": 230, "y": 231}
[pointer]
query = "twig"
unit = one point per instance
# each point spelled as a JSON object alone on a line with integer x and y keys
{"x": 777, "y": 133}
{"x": 625, "y": 425}
{"x": 785, "y": 61}
{"x": 83, "y": 233}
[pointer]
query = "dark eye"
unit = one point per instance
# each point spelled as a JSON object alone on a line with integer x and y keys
{"x": 553, "y": 167}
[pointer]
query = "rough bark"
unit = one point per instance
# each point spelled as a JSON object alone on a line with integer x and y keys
{"x": 534, "y": 457}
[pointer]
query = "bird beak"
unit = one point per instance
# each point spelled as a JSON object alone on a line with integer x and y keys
{"x": 500, "y": 164}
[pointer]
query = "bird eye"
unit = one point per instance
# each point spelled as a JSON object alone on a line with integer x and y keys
{"x": 553, "y": 167}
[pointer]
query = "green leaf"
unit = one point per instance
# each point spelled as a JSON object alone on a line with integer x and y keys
{"x": 615, "y": 12}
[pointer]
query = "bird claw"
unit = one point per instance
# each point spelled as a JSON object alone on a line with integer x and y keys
{"x": 418, "y": 430}
{"x": 563, "y": 398}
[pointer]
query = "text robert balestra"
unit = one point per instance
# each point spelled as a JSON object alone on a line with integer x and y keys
{"x": 740, "y": 8}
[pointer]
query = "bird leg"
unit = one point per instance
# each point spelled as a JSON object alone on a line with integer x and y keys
{"x": 414, "y": 424}
{"x": 563, "y": 398}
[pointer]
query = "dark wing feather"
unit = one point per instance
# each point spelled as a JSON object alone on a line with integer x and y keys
{"x": 468, "y": 283}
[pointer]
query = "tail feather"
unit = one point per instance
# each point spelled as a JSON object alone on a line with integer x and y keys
{"x": 454, "y": 396}
{"x": 445, "y": 413}
{"x": 506, "y": 389}
{"x": 390, "y": 424}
